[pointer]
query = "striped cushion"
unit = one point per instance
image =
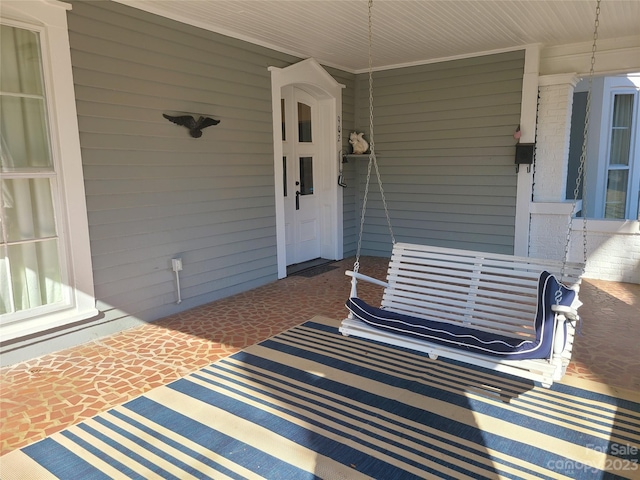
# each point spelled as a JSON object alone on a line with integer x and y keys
{"x": 471, "y": 339}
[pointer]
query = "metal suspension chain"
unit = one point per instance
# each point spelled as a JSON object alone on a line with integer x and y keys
{"x": 372, "y": 152}
{"x": 583, "y": 156}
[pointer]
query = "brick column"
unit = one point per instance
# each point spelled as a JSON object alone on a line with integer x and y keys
{"x": 552, "y": 139}
{"x": 550, "y": 212}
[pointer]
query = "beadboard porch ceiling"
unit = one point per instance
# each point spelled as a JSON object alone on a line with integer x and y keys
{"x": 406, "y": 32}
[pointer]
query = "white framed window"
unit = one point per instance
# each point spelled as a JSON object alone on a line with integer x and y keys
{"x": 620, "y": 196}
{"x": 613, "y": 151}
{"x": 45, "y": 263}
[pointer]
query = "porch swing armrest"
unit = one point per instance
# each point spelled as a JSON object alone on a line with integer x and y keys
{"x": 355, "y": 276}
{"x": 569, "y": 312}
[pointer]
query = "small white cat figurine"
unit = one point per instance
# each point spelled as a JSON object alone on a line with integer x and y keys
{"x": 358, "y": 143}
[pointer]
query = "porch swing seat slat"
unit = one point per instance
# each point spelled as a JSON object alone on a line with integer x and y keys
{"x": 492, "y": 310}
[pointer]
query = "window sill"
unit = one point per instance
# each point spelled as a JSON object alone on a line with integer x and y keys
{"x": 44, "y": 324}
{"x": 619, "y": 227}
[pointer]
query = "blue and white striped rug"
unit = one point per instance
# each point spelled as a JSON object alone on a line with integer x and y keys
{"x": 310, "y": 403}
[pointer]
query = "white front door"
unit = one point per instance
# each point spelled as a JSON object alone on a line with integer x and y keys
{"x": 300, "y": 162}
{"x": 306, "y": 101}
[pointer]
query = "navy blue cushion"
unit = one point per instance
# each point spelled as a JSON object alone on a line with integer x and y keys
{"x": 471, "y": 339}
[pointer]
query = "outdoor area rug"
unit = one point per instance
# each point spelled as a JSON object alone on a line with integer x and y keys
{"x": 311, "y": 403}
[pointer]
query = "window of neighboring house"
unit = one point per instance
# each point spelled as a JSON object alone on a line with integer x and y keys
{"x": 45, "y": 279}
{"x": 612, "y": 168}
{"x": 618, "y": 195}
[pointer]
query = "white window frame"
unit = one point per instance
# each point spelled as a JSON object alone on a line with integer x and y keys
{"x": 49, "y": 18}
{"x": 599, "y": 138}
{"x": 631, "y": 207}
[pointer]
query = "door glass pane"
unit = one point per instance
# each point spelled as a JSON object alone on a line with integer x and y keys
{"x": 306, "y": 175}
{"x": 304, "y": 123}
{"x": 28, "y": 209}
{"x": 616, "y": 199}
{"x": 621, "y": 130}
{"x": 284, "y": 120}
{"x": 284, "y": 175}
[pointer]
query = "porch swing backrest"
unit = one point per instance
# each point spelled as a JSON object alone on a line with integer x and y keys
{"x": 490, "y": 292}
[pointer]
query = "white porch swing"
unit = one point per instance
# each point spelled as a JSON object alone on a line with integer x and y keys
{"x": 511, "y": 314}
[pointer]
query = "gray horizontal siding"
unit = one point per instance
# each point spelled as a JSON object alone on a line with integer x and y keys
{"x": 153, "y": 192}
{"x": 351, "y": 215}
{"x": 445, "y": 147}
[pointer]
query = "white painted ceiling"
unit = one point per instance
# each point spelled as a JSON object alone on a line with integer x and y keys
{"x": 335, "y": 32}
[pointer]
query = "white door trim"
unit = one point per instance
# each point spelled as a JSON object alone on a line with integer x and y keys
{"x": 311, "y": 77}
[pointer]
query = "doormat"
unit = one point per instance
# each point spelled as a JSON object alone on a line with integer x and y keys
{"x": 313, "y": 271}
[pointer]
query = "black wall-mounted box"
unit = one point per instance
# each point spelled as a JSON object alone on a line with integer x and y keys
{"x": 524, "y": 153}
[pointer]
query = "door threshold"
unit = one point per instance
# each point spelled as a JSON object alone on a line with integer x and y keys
{"x": 299, "y": 268}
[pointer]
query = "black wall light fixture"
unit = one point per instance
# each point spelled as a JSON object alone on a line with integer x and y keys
{"x": 194, "y": 126}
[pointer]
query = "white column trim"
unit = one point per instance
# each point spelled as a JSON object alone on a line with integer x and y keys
{"x": 528, "y": 119}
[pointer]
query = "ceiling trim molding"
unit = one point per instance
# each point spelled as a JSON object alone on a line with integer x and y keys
{"x": 149, "y": 7}
{"x": 448, "y": 59}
